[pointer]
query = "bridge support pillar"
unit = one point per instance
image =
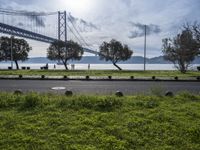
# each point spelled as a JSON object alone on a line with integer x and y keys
{"x": 62, "y": 26}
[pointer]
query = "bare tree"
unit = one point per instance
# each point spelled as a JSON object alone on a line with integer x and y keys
{"x": 181, "y": 50}
{"x": 195, "y": 29}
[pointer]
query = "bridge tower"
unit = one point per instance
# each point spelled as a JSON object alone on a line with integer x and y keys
{"x": 62, "y": 26}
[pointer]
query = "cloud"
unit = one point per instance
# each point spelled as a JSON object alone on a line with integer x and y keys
{"x": 140, "y": 30}
{"x": 127, "y": 2}
{"x": 34, "y": 16}
{"x": 31, "y": 15}
{"x": 20, "y": 24}
{"x": 83, "y": 26}
{"x": 39, "y": 21}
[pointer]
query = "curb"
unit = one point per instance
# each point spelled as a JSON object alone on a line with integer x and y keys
{"x": 83, "y": 78}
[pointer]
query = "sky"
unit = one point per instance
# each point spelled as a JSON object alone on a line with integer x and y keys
{"x": 123, "y": 20}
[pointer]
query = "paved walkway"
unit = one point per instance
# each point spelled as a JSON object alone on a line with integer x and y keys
{"x": 117, "y": 78}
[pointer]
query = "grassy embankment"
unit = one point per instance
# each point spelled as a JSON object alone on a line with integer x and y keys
{"x": 34, "y": 121}
{"x": 101, "y": 73}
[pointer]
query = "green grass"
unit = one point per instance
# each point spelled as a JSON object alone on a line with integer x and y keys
{"x": 100, "y": 73}
{"x": 47, "y": 121}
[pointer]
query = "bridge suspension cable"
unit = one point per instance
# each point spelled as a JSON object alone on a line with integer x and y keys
{"x": 75, "y": 35}
{"x": 81, "y": 37}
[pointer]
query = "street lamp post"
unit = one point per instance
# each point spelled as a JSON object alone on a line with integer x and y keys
{"x": 145, "y": 45}
{"x": 11, "y": 52}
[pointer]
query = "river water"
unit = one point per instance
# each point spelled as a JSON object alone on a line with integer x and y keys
{"x": 99, "y": 66}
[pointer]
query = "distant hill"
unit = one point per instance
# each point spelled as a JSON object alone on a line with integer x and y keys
{"x": 95, "y": 60}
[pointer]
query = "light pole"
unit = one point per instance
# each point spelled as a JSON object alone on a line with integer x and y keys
{"x": 145, "y": 45}
{"x": 11, "y": 52}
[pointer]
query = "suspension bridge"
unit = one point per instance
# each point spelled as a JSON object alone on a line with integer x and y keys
{"x": 42, "y": 26}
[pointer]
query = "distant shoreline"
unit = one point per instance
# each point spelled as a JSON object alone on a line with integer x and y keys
{"x": 95, "y": 60}
{"x": 128, "y": 67}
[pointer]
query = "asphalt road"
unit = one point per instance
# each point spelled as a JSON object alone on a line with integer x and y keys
{"x": 98, "y": 87}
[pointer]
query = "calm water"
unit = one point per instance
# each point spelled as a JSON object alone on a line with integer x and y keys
{"x": 101, "y": 66}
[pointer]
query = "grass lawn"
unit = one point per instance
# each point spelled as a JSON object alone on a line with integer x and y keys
{"x": 46, "y": 121}
{"x": 101, "y": 73}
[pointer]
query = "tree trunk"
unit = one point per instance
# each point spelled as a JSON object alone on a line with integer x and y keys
{"x": 65, "y": 64}
{"x": 183, "y": 71}
{"x": 17, "y": 66}
{"x": 117, "y": 66}
{"x": 183, "y": 68}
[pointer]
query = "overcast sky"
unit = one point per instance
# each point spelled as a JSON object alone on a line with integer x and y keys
{"x": 123, "y": 20}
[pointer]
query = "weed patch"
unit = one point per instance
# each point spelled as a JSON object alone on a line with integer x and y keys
{"x": 32, "y": 101}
